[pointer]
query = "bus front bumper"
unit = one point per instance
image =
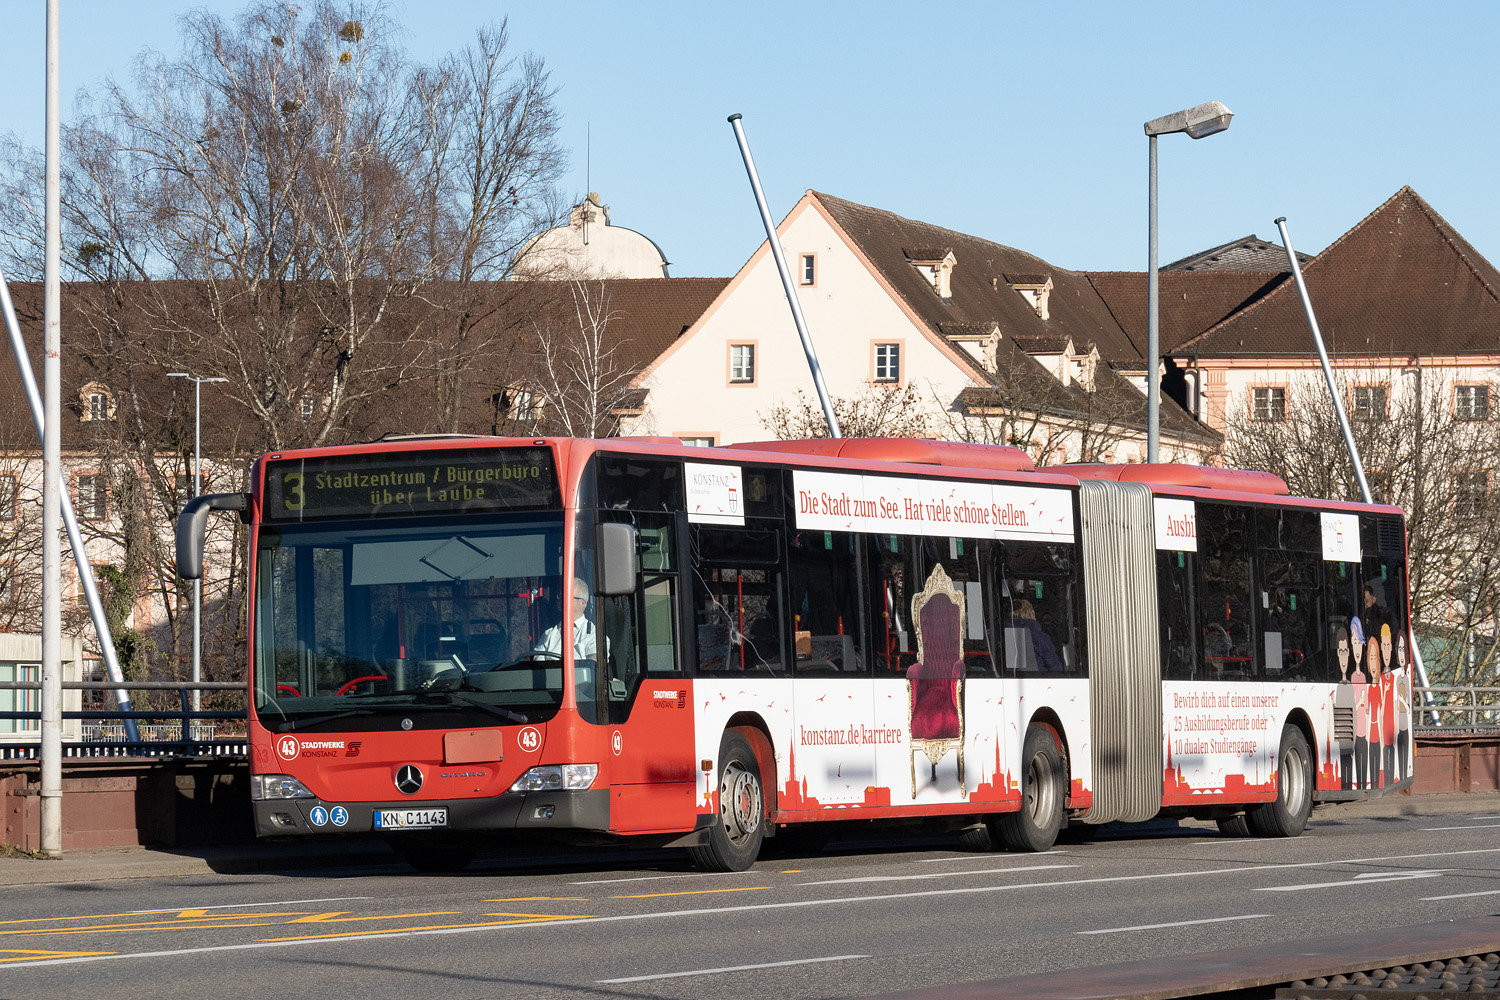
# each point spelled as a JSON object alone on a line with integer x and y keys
{"x": 530, "y": 812}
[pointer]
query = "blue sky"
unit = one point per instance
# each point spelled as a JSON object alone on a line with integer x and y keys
{"x": 1020, "y": 123}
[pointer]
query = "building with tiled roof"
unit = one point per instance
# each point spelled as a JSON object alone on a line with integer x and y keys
{"x": 1248, "y": 253}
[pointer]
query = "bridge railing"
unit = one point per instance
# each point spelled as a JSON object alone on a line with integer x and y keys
{"x": 1449, "y": 707}
{"x": 166, "y": 732}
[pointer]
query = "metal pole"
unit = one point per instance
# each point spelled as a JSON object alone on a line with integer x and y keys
{"x": 1153, "y": 335}
{"x": 70, "y": 519}
{"x": 1317, "y": 335}
{"x": 198, "y": 583}
{"x": 51, "y": 743}
{"x": 786, "y": 279}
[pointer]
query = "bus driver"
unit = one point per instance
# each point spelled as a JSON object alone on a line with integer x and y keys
{"x": 584, "y": 643}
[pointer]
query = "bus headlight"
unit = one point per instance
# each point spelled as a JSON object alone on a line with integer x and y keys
{"x": 277, "y": 786}
{"x": 555, "y": 777}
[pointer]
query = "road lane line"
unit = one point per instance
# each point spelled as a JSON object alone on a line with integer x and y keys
{"x": 232, "y": 906}
{"x": 1464, "y": 895}
{"x": 517, "y": 918}
{"x": 1471, "y": 826}
{"x": 1367, "y": 878}
{"x": 1178, "y": 923}
{"x": 733, "y": 968}
{"x": 702, "y": 912}
{"x": 23, "y": 954}
{"x": 926, "y": 875}
{"x": 691, "y": 892}
{"x": 537, "y": 899}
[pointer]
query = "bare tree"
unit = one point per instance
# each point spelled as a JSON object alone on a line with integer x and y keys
{"x": 582, "y": 373}
{"x": 878, "y": 411}
{"x": 1424, "y": 454}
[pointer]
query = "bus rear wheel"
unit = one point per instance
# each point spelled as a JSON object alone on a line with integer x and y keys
{"x": 1286, "y": 816}
{"x": 1035, "y": 826}
{"x": 735, "y": 837}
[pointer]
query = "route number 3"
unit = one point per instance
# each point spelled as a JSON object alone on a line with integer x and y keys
{"x": 292, "y": 497}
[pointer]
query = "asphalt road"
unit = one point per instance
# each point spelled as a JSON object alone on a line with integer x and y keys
{"x": 856, "y": 920}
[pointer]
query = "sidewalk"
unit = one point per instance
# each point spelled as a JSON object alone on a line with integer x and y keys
{"x": 262, "y": 856}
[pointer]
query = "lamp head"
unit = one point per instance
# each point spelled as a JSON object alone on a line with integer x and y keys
{"x": 1198, "y": 122}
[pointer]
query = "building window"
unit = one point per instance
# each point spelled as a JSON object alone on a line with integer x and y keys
{"x": 1268, "y": 403}
{"x": 1471, "y": 402}
{"x": 305, "y": 407}
{"x": 90, "y": 488}
{"x": 20, "y": 701}
{"x": 523, "y": 405}
{"x": 742, "y": 362}
{"x": 98, "y": 406}
{"x": 7, "y": 584}
{"x": 1369, "y": 402}
{"x": 8, "y": 491}
{"x": 1470, "y": 493}
{"x": 809, "y": 269}
{"x": 887, "y": 362}
{"x": 697, "y": 442}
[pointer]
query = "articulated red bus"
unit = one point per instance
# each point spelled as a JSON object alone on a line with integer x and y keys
{"x": 629, "y": 638}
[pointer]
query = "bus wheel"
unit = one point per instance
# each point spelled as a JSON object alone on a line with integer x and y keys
{"x": 1035, "y": 826}
{"x": 1287, "y": 815}
{"x": 734, "y": 841}
{"x": 1234, "y": 826}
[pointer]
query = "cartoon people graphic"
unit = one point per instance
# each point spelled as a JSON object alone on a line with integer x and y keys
{"x": 1403, "y": 709}
{"x": 1361, "y": 685}
{"x": 1387, "y": 710}
{"x": 1375, "y": 692}
{"x": 1343, "y": 710}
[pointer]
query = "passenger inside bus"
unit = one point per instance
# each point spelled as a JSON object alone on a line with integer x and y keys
{"x": 1035, "y": 651}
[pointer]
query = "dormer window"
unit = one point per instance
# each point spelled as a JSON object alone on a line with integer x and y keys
{"x": 96, "y": 402}
{"x": 1034, "y": 288}
{"x": 935, "y": 264}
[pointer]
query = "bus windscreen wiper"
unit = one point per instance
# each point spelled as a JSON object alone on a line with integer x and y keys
{"x": 299, "y": 723}
{"x": 503, "y": 713}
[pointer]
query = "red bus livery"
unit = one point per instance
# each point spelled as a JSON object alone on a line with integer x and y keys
{"x": 629, "y": 638}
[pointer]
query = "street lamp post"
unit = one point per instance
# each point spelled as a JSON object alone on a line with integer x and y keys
{"x": 1199, "y": 123}
{"x": 197, "y": 381}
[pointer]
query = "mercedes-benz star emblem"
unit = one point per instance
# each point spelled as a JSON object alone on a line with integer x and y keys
{"x": 408, "y": 779}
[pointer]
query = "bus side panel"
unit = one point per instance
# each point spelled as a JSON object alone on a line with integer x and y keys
{"x": 715, "y": 701}
{"x": 652, "y": 764}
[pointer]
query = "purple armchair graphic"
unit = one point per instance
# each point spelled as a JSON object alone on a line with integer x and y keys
{"x": 935, "y": 682}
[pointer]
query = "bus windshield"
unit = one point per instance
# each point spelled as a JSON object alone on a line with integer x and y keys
{"x": 367, "y": 624}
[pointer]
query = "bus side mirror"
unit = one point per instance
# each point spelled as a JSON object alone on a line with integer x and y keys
{"x": 615, "y": 559}
{"x": 191, "y": 524}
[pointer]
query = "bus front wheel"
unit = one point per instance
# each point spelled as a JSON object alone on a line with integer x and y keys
{"x": 1286, "y": 815}
{"x": 1034, "y": 827}
{"x": 735, "y": 837}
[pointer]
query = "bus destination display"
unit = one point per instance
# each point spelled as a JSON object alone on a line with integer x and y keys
{"x": 410, "y": 483}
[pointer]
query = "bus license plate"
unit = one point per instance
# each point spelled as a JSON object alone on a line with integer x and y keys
{"x": 410, "y": 819}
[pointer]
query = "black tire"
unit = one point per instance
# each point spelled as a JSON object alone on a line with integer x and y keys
{"x": 433, "y": 857}
{"x": 1035, "y": 827}
{"x": 734, "y": 840}
{"x": 1234, "y": 826}
{"x": 976, "y": 838}
{"x": 1286, "y": 816}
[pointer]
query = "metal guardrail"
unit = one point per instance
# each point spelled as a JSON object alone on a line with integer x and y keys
{"x": 1450, "y": 707}
{"x": 182, "y": 736}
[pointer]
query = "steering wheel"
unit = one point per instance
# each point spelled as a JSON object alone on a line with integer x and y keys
{"x": 356, "y": 682}
{"x": 288, "y": 689}
{"x": 535, "y": 656}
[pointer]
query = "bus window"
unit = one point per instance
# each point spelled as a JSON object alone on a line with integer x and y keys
{"x": 1039, "y": 610}
{"x": 631, "y": 482}
{"x": 827, "y": 618}
{"x": 639, "y": 630}
{"x": 1176, "y": 595}
{"x": 1225, "y": 612}
{"x": 1291, "y": 603}
{"x": 899, "y": 568}
{"x": 737, "y": 599}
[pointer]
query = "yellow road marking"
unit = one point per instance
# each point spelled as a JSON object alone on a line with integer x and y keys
{"x": 522, "y": 918}
{"x": 792, "y": 871}
{"x": 82, "y": 916}
{"x": 692, "y": 892}
{"x": 534, "y": 899}
{"x": 192, "y": 913}
{"x": 337, "y": 917}
{"x": 21, "y": 955}
{"x": 171, "y": 924}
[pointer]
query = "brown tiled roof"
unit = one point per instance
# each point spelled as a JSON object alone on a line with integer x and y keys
{"x": 1248, "y": 253}
{"x": 1190, "y": 302}
{"x": 1401, "y": 282}
{"x": 926, "y": 253}
{"x": 1025, "y": 279}
{"x": 1075, "y": 308}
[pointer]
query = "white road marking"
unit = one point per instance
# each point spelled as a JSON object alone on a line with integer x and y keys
{"x": 239, "y": 906}
{"x": 700, "y": 913}
{"x": 1367, "y": 878}
{"x": 732, "y": 968}
{"x": 654, "y": 878}
{"x": 980, "y": 857}
{"x": 1464, "y": 895}
{"x": 966, "y": 871}
{"x": 1471, "y": 826}
{"x": 1179, "y": 923}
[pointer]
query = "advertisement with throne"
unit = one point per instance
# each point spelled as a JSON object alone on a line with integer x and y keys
{"x": 935, "y": 683}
